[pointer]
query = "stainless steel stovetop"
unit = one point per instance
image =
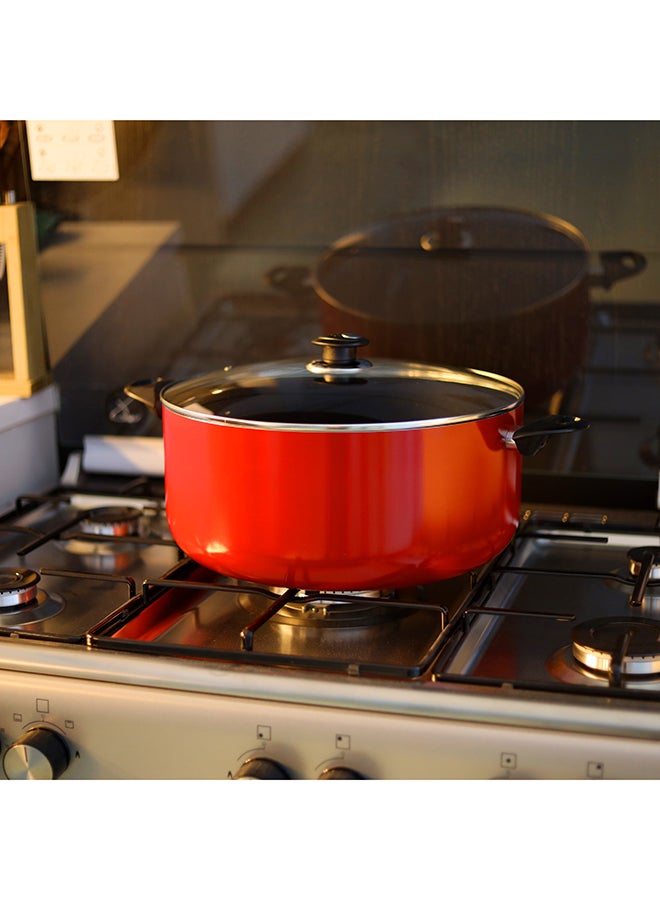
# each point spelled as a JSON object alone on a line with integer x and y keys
{"x": 127, "y": 660}
{"x": 572, "y": 606}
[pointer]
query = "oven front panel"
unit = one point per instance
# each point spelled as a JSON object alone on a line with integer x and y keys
{"x": 115, "y": 731}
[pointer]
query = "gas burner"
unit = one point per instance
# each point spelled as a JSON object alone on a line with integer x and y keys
{"x": 118, "y": 521}
{"x": 328, "y": 609}
{"x": 103, "y": 557}
{"x": 618, "y": 646}
{"x": 563, "y": 666}
{"x": 21, "y": 601}
{"x": 110, "y": 522}
{"x": 17, "y": 587}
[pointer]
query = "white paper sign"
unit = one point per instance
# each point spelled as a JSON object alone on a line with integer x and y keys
{"x": 72, "y": 151}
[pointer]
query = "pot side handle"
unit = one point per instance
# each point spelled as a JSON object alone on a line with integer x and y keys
{"x": 147, "y": 391}
{"x": 531, "y": 438}
{"x": 615, "y": 266}
{"x": 291, "y": 280}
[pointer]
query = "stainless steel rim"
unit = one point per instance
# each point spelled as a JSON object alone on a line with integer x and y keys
{"x": 460, "y": 376}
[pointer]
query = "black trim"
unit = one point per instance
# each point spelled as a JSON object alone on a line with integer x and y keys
{"x": 589, "y": 490}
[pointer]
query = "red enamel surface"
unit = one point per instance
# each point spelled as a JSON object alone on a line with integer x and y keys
{"x": 341, "y": 511}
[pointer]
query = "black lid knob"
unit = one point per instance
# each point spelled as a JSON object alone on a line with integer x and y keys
{"x": 340, "y": 350}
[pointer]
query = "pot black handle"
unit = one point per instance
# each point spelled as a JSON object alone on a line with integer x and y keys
{"x": 290, "y": 279}
{"x": 531, "y": 438}
{"x": 147, "y": 391}
{"x": 617, "y": 265}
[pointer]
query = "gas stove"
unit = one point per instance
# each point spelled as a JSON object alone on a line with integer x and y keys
{"x": 122, "y": 658}
{"x": 67, "y": 556}
{"x": 570, "y": 607}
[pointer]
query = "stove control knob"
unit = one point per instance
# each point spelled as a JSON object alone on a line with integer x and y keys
{"x": 41, "y": 754}
{"x": 339, "y": 772}
{"x": 260, "y": 769}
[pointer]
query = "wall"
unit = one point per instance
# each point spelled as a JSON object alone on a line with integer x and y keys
{"x": 248, "y": 196}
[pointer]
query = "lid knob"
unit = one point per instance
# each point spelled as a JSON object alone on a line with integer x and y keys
{"x": 339, "y": 354}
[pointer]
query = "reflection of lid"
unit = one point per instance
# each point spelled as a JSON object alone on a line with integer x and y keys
{"x": 343, "y": 393}
{"x": 452, "y": 265}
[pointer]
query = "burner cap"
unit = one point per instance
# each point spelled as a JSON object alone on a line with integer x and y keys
{"x": 632, "y": 643}
{"x": 111, "y": 520}
{"x": 639, "y": 555}
{"x": 17, "y": 586}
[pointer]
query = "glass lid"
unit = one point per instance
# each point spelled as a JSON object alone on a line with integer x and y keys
{"x": 453, "y": 265}
{"x": 342, "y": 392}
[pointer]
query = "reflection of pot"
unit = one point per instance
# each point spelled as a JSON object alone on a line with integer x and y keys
{"x": 344, "y": 475}
{"x": 493, "y": 288}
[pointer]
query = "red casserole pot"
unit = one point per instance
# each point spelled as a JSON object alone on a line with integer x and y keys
{"x": 343, "y": 474}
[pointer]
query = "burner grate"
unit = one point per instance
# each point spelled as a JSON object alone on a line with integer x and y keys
{"x": 555, "y": 579}
{"x": 107, "y": 524}
{"x": 53, "y": 605}
{"x": 91, "y": 573}
{"x": 196, "y": 613}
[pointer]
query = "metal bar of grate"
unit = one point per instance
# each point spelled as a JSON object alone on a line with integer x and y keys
{"x": 93, "y": 576}
{"x": 247, "y": 633}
